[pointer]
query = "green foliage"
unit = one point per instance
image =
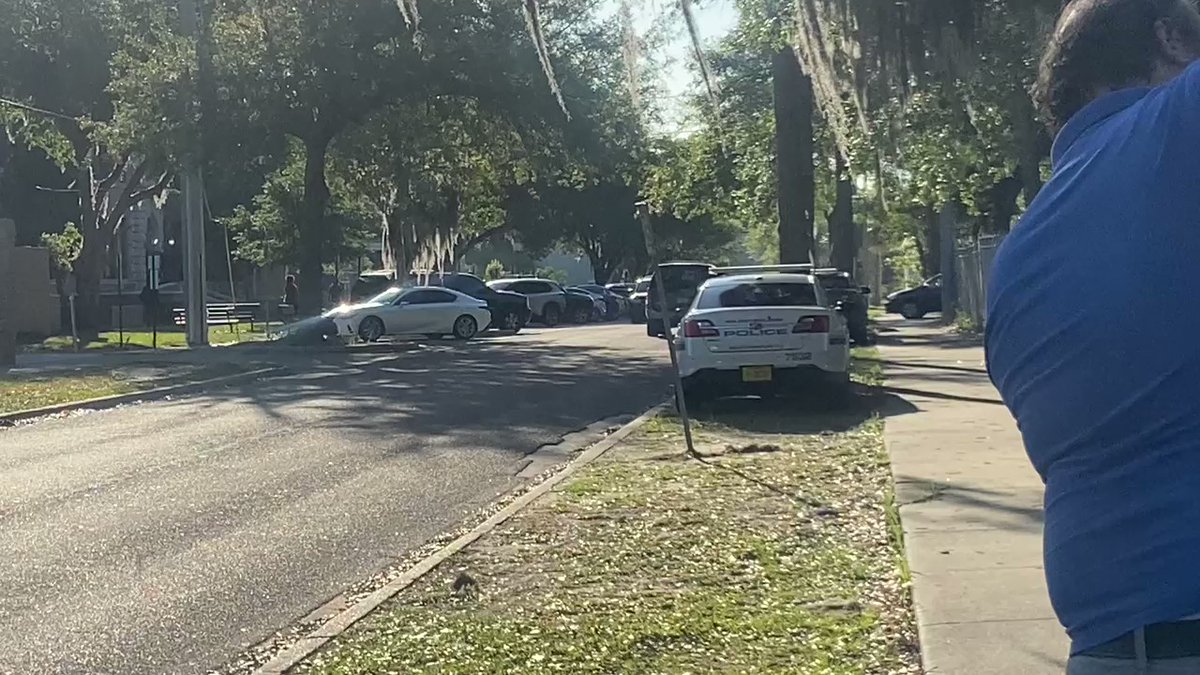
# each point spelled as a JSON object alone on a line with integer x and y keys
{"x": 551, "y": 273}
{"x": 64, "y": 247}
{"x": 494, "y": 270}
{"x": 266, "y": 233}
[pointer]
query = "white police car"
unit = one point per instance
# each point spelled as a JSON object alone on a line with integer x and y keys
{"x": 762, "y": 333}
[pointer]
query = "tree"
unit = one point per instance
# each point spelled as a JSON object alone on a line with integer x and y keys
{"x": 57, "y": 74}
{"x": 320, "y": 69}
{"x": 494, "y": 270}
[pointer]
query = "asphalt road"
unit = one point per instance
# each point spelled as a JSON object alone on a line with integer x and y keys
{"x": 166, "y": 537}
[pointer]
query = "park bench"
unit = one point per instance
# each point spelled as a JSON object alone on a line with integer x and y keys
{"x": 223, "y": 314}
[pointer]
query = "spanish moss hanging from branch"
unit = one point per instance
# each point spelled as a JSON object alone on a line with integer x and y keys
{"x": 710, "y": 82}
{"x": 533, "y": 21}
{"x": 631, "y": 53}
{"x": 412, "y": 18}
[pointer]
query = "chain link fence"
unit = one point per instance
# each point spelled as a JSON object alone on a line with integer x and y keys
{"x": 974, "y": 266}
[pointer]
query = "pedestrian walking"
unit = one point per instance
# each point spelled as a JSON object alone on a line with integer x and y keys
{"x": 1091, "y": 340}
{"x": 291, "y": 292}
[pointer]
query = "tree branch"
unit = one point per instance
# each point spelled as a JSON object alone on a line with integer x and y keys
{"x": 160, "y": 185}
{"x": 105, "y": 184}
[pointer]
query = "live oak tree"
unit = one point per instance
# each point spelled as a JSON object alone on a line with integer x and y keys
{"x": 60, "y": 63}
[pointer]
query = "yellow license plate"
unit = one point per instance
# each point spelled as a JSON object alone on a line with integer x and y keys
{"x": 756, "y": 374}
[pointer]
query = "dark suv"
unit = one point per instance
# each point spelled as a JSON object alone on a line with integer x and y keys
{"x": 510, "y": 311}
{"x": 839, "y": 287}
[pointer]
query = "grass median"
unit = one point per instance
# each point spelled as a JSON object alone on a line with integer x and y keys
{"x": 28, "y": 391}
{"x": 774, "y": 552}
{"x": 172, "y": 338}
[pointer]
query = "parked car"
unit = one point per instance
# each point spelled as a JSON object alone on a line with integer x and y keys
{"x": 583, "y": 306}
{"x": 614, "y": 303}
{"x": 547, "y": 300}
{"x": 840, "y": 287}
{"x": 637, "y": 300}
{"x": 762, "y": 334}
{"x": 420, "y": 310}
{"x": 371, "y": 284}
{"x": 681, "y": 280}
{"x": 510, "y": 311}
{"x": 915, "y": 303}
{"x": 622, "y": 289}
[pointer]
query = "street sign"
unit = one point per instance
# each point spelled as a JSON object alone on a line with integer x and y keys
{"x": 153, "y": 264}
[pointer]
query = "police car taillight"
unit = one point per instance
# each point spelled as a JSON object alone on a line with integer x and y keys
{"x": 700, "y": 329}
{"x": 812, "y": 324}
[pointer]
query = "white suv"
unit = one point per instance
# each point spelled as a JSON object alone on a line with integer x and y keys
{"x": 547, "y": 300}
{"x": 762, "y": 333}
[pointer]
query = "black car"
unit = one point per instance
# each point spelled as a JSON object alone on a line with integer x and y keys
{"x": 614, "y": 303}
{"x": 581, "y": 305}
{"x": 371, "y": 284}
{"x": 914, "y": 303}
{"x": 510, "y": 311}
{"x": 840, "y": 287}
{"x": 680, "y": 280}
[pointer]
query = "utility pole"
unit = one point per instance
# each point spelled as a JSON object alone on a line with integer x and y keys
{"x": 195, "y": 290}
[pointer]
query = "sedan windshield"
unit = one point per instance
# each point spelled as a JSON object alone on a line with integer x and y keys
{"x": 387, "y": 297}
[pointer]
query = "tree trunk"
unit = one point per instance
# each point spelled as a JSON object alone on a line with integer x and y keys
{"x": 948, "y": 230}
{"x": 1003, "y": 198}
{"x": 842, "y": 236}
{"x": 931, "y": 248}
{"x": 795, "y": 177}
{"x": 1033, "y": 146}
{"x": 312, "y": 226}
{"x": 89, "y": 271}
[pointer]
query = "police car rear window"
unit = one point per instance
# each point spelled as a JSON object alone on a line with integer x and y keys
{"x": 758, "y": 294}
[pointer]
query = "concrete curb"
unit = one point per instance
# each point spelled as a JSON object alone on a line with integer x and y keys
{"x": 348, "y": 616}
{"x": 148, "y": 394}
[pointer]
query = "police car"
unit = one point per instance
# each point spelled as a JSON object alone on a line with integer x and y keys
{"x": 762, "y": 333}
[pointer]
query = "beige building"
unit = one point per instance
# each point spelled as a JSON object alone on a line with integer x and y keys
{"x": 33, "y": 304}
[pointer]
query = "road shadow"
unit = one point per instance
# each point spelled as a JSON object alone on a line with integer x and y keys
{"x": 490, "y": 393}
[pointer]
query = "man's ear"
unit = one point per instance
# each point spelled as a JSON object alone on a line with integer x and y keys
{"x": 1176, "y": 49}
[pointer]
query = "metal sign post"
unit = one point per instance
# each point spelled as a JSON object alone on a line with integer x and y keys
{"x": 643, "y": 211}
{"x": 69, "y": 287}
{"x": 153, "y": 264}
{"x": 120, "y": 288}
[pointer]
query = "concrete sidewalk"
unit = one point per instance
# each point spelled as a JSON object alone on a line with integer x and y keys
{"x": 972, "y": 511}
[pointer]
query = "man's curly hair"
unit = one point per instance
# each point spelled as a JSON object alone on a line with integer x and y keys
{"x": 1105, "y": 44}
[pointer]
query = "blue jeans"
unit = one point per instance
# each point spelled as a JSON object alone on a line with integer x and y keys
{"x": 1137, "y": 662}
{"x": 1091, "y": 665}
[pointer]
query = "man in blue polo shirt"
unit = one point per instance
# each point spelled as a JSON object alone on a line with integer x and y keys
{"x": 1093, "y": 334}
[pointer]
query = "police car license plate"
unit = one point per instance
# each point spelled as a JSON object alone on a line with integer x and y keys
{"x": 756, "y": 373}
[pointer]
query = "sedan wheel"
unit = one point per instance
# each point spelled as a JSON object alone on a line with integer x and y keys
{"x": 465, "y": 327}
{"x": 370, "y": 329}
{"x": 581, "y": 315}
{"x": 909, "y": 310}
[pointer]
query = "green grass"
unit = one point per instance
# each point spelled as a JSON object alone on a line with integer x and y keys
{"x": 27, "y": 392}
{"x": 865, "y": 367}
{"x": 167, "y": 339}
{"x": 647, "y": 562}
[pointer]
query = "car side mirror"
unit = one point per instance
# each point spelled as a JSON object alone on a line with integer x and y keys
{"x": 866, "y": 290}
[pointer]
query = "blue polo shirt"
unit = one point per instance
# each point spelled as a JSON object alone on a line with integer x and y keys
{"x": 1093, "y": 340}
